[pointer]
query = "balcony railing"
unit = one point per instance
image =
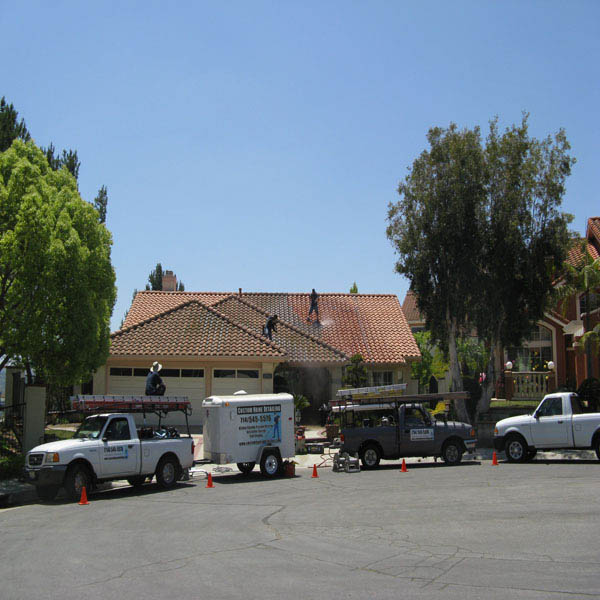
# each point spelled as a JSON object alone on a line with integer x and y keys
{"x": 531, "y": 385}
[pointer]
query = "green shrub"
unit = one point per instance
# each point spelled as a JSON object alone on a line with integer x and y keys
{"x": 11, "y": 466}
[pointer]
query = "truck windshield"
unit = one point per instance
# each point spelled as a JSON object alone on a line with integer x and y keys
{"x": 90, "y": 428}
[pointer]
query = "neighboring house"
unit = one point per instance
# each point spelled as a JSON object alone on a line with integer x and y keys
{"x": 211, "y": 343}
{"x": 556, "y": 338}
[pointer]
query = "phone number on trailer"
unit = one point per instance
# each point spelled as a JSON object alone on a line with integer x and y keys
{"x": 256, "y": 419}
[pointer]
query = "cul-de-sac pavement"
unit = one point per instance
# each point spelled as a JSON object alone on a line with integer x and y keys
{"x": 523, "y": 531}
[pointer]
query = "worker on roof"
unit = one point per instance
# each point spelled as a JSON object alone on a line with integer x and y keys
{"x": 154, "y": 384}
{"x": 270, "y": 327}
{"x": 314, "y": 305}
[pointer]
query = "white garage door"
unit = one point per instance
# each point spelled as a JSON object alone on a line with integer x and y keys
{"x": 179, "y": 382}
{"x": 229, "y": 381}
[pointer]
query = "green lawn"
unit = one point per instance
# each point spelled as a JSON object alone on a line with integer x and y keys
{"x": 514, "y": 404}
{"x": 61, "y": 434}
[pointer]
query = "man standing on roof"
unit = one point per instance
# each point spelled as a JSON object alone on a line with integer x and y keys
{"x": 270, "y": 327}
{"x": 314, "y": 305}
{"x": 154, "y": 384}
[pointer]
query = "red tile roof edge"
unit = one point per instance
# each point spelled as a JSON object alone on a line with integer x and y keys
{"x": 320, "y": 294}
{"x": 208, "y": 308}
{"x": 285, "y": 323}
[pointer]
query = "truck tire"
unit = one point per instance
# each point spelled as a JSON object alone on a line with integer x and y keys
{"x": 370, "y": 455}
{"x": 168, "y": 472}
{"x": 596, "y": 446}
{"x": 47, "y": 493}
{"x": 78, "y": 477}
{"x": 452, "y": 452}
{"x": 246, "y": 467}
{"x": 516, "y": 448}
{"x": 137, "y": 481}
{"x": 270, "y": 463}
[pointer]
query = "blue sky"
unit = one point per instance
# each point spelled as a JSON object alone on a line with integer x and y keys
{"x": 258, "y": 144}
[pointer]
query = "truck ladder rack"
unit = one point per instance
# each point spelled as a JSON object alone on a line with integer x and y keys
{"x": 158, "y": 405}
{"x": 360, "y": 398}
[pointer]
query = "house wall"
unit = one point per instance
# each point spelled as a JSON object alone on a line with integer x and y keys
{"x": 101, "y": 378}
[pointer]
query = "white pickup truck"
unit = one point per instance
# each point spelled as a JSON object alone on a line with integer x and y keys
{"x": 104, "y": 448}
{"x": 559, "y": 422}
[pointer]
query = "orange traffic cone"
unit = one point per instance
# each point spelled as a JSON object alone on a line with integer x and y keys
{"x": 494, "y": 459}
{"x": 83, "y": 499}
{"x": 209, "y": 483}
{"x": 315, "y": 474}
{"x": 403, "y": 469}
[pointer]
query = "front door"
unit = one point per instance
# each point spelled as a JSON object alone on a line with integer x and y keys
{"x": 416, "y": 432}
{"x": 550, "y": 428}
{"x": 119, "y": 451}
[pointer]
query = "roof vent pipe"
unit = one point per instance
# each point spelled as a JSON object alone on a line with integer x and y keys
{"x": 239, "y": 292}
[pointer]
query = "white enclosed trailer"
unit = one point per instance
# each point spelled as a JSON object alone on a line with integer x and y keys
{"x": 249, "y": 428}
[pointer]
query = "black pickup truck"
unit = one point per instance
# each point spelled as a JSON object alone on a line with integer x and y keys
{"x": 393, "y": 428}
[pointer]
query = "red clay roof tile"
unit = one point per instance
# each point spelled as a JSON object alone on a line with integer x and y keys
{"x": 191, "y": 329}
{"x": 372, "y": 324}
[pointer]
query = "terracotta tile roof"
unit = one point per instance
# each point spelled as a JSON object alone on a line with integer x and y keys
{"x": 593, "y": 232}
{"x": 146, "y": 304}
{"x": 576, "y": 254}
{"x": 191, "y": 329}
{"x": 299, "y": 346}
{"x": 372, "y": 324}
{"x": 410, "y": 308}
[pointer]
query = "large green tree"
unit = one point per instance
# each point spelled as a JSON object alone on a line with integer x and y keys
{"x": 526, "y": 238}
{"x": 479, "y": 235}
{"x": 57, "y": 285}
{"x": 435, "y": 231}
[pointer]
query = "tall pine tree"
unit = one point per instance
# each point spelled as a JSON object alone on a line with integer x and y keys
{"x": 10, "y": 127}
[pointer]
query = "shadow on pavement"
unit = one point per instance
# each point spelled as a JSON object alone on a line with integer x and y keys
{"x": 553, "y": 461}
{"x": 427, "y": 465}
{"x": 125, "y": 491}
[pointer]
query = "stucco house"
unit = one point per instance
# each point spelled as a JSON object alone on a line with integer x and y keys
{"x": 212, "y": 343}
{"x": 556, "y": 337}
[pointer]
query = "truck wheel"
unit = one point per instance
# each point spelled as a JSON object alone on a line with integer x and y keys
{"x": 246, "y": 467}
{"x": 515, "y": 449}
{"x": 370, "y": 456}
{"x": 78, "y": 477}
{"x": 47, "y": 493}
{"x": 596, "y": 446}
{"x": 137, "y": 481}
{"x": 168, "y": 472}
{"x": 270, "y": 464}
{"x": 452, "y": 452}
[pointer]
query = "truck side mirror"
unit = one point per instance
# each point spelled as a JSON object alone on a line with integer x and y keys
{"x": 105, "y": 439}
